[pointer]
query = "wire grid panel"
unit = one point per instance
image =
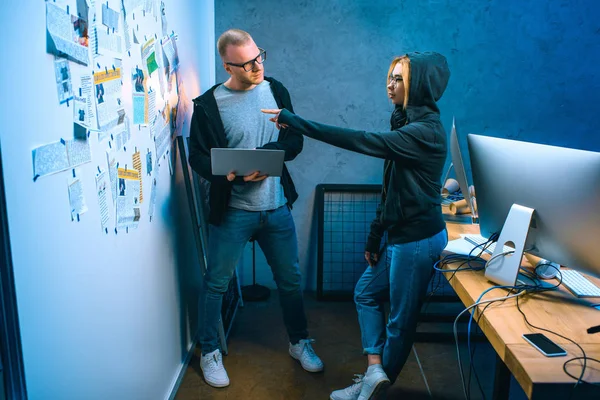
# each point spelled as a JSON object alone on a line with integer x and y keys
{"x": 345, "y": 215}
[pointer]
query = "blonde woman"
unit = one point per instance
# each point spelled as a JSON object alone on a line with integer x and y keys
{"x": 414, "y": 151}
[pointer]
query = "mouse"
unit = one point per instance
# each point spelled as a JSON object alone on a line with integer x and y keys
{"x": 545, "y": 269}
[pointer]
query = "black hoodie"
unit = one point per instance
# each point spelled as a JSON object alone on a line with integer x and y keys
{"x": 415, "y": 153}
{"x": 207, "y": 132}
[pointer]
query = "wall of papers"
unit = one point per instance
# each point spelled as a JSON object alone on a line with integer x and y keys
{"x": 105, "y": 265}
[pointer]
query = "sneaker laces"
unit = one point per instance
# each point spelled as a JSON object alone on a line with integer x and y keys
{"x": 215, "y": 362}
{"x": 357, "y": 385}
{"x": 307, "y": 349}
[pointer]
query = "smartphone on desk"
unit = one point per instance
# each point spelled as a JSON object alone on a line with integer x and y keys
{"x": 545, "y": 346}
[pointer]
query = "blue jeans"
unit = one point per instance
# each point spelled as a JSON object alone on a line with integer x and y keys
{"x": 275, "y": 233}
{"x": 406, "y": 278}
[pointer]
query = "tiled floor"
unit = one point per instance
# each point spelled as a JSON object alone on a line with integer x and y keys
{"x": 259, "y": 366}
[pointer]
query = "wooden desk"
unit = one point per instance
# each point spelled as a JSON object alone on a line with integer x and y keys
{"x": 503, "y": 325}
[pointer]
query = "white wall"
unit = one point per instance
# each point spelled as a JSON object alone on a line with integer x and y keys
{"x": 101, "y": 316}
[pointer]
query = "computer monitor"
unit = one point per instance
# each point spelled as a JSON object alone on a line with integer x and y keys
{"x": 544, "y": 199}
{"x": 459, "y": 169}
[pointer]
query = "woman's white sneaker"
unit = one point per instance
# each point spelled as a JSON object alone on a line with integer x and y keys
{"x": 375, "y": 382}
{"x": 351, "y": 392}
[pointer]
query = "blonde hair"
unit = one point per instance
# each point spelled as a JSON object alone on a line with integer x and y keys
{"x": 234, "y": 37}
{"x": 405, "y": 62}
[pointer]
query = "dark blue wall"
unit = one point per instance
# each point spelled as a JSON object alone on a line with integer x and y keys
{"x": 520, "y": 69}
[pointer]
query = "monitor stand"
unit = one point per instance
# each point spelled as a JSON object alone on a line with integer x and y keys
{"x": 504, "y": 269}
{"x": 523, "y": 279}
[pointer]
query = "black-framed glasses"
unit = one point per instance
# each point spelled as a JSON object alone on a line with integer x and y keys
{"x": 249, "y": 65}
{"x": 394, "y": 80}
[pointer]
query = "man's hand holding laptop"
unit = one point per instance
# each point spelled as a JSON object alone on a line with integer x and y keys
{"x": 255, "y": 177}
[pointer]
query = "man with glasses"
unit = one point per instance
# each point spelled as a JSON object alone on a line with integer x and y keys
{"x": 241, "y": 207}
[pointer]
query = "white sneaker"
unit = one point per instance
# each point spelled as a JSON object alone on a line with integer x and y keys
{"x": 304, "y": 353}
{"x": 374, "y": 383}
{"x": 213, "y": 369}
{"x": 351, "y": 392}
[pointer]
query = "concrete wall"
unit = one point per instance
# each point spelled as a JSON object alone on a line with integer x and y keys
{"x": 525, "y": 70}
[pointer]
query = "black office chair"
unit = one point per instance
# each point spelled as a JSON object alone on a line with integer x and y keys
{"x": 255, "y": 292}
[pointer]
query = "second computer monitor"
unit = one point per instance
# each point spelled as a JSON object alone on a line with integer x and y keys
{"x": 562, "y": 185}
{"x": 459, "y": 168}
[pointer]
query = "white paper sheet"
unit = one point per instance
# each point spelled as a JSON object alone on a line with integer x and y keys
{"x": 110, "y": 33}
{"x": 153, "y": 129}
{"x": 68, "y": 33}
{"x": 170, "y": 51}
{"x": 102, "y": 188}
{"x": 59, "y": 156}
{"x": 93, "y": 27}
{"x": 152, "y": 198}
{"x": 128, "y": 205}
{"x": 137, "y": 164}
{"x": 109, "y": 90}
{"x": 102, "y": 135}
{"x": 163, "y": 141}
{"x": 152, "y": 106}
{"x": 121, "y": 134}
{"x": 160, "y": 61}
{"x": 126, "y": 35}
{"x": 459, "y": 246}
{"x": 84, "y": 110}
{"x": 132, "y": 5}
{"x": 79, "y": 152}
{"x": 149, "y": 7}
{"x": 49, "y": 159}
{"x": 76, "y": 197}
{"x": 110, "y": 17}
{"x": 163, "y": 19}
{"x": 112, "y": 173}
{"x": 109, "y": 43}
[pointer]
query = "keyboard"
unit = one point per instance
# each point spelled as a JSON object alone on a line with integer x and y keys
{"x": 578, "y": 284}
{"x": 479, "y": 240}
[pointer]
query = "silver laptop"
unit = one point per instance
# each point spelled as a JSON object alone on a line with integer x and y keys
{"x": 245, "y": 162}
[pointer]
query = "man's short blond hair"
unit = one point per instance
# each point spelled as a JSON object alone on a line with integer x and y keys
{"x": 233, "y": 37}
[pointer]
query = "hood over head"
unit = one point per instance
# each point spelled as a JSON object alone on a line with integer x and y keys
{"x": 429, "y": 75}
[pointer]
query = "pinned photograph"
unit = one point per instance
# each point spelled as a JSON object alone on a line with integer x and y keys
{"x": 63, "y": 80}
{"x": 138, "y": 80}
{"x": 100, "y": 93}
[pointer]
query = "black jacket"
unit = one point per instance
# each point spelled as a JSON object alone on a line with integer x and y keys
{"x": 207, "y": 131}
{"x": 415, "y": 153}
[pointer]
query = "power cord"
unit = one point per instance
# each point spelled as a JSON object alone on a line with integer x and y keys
{"x": 522, "y": 290}
{"x": 536, "y": 288}
{"x": 454, "y": 258}
{"x": 471, "y": 357}
{"x": 479, "y": 302}
{"x": 585, "y": 358}
{"x": 468, "y": 260}
{"x": 573, "y": 376}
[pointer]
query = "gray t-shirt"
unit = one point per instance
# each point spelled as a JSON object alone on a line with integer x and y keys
{"x": 246, "y": 127}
